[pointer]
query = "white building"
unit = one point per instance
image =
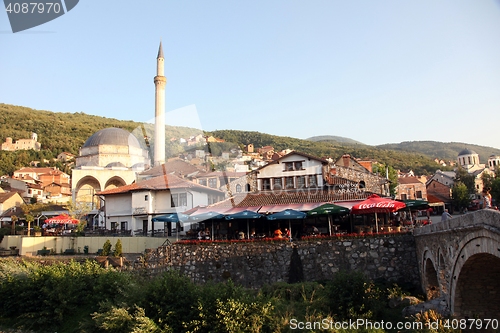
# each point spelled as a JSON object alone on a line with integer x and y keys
{"x": 133, "y": 206}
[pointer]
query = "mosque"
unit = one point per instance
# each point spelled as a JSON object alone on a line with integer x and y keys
{"x": 112, "y": 157}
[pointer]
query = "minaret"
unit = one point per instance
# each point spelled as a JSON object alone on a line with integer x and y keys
{"x": 160, "y": 82}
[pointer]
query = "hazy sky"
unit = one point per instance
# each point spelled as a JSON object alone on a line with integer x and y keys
{"x": 374, "y": 71}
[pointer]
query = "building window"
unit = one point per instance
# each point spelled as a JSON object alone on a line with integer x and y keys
{"x": 298, "y": 165}
{"x": 288, "y": 166}
{"x": 212, "y": 182}
{"x": 183, "y": 199}
{"x": 361, "y": 184}
{"x": 114, "y": 226}
{"x": 202, "y": 182}
{"x": 301, "y": 182}
{"x": 238, "y": 188}
{"x": 247, "y": 186}
{"x": 266, "y": 184}
{"x": 419, "y": 194}
{"x": 312, "y": 181}
{"x": 277, "y": 184}
{"x": 146, "y": 197}
{"x": 289, "y": 182}
{"x": 174, "y": 202}
{"x": 403, "y": 196}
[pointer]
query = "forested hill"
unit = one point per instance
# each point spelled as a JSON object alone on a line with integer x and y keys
{"x": 417, "y": 162}
{"x": 447, "y": 151}
{"x": 58, "y": 132}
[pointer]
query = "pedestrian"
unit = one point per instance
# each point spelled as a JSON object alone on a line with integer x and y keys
{"x": 445, "y": 216}
{"x": 486, "y": 197}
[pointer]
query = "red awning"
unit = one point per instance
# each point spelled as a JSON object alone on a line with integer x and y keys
{"x": 62, "y": 219}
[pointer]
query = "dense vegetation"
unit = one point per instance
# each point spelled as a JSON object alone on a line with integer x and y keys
{"x": 447, "y": 151}
{"x": 83, "y": 297}
{"x": 58, "y": 132}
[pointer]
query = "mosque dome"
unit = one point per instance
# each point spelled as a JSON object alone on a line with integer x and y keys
{"x": 467, "y": 152}
{"x": 112, "y": 137}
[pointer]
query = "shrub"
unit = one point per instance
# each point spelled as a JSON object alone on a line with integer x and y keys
{"x": 118, "y": 249}
{"x": 106, "y": 248}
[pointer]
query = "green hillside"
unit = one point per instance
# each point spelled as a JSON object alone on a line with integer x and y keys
{"x": 58, "y": 132}
{"x": 401, "y": 160}
{"x": 447, "y": 151}
{"x": 334, "y": 138}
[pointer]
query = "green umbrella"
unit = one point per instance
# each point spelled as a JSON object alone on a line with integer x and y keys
{"x": 328, "y": 209}
{"x": 416, "y": 204}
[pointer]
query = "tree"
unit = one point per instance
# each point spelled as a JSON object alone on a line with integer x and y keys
{"x": 79, "y": 210}
{"x": 382, "y": 170}
{"x": 467, "y": 179}
{"x": 460, "y": 195}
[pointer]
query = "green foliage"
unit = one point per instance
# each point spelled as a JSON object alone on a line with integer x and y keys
{"x": 125, "y": 319}
{"x": 118, "y": 251}
{"x": 467, "y": 179}
{"x": 171, "y": 298}
{"x": 460, "y": 194}
{"x": 352, "y": 295}
{"x": 106, "y": 248}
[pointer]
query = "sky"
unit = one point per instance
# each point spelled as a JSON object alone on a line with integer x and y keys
{"x": 373, "y": 71}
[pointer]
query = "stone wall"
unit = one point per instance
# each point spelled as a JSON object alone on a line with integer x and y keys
{"x": 254, "y": 264}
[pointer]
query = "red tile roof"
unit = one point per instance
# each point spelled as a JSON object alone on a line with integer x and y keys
{"x": 286, "y": 198}
{"x": 409, "y": 180}
{"x": 177, "y": 167}
{"x": 160, "y": 183}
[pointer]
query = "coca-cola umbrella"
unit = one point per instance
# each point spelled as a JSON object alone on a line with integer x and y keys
{"x": 376, "y": 204}
{"x": 62, "y": 219}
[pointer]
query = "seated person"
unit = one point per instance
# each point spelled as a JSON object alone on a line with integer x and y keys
{"x": 287, "y": 233}
{"x": 241, "y": 235}
{"x": 278, "y": 233}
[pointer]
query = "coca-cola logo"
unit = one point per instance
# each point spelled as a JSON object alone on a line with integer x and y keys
{"x": 377, "y": 205}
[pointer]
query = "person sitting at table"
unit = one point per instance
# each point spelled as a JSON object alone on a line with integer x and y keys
{"x": 201, "y": 234}
{"x": 241, "y": 235}
{"x": 278, "y": 233}
{"x": 287, "y": 233}
{"x": 207, "y": 234}
{"x": 315, "y": 230}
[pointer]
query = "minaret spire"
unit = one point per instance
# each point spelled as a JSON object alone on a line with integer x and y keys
{"x": 160, "y": 52}
{"x": 160, "y": 83}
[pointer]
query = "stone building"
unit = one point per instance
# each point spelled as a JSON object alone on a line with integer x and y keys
{"x": 22, "y": 144}
{"x": 110, "y": 158}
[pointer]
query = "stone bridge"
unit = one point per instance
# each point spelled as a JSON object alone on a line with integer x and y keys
{"x": 459, "y": 262}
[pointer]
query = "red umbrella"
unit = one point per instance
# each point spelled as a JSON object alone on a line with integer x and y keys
{"x": 63, "y": 218}
{"x": 376, "y": 204}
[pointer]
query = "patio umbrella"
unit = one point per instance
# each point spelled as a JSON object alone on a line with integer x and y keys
{"x": 376, "y": 204}
{"x": 208, "y": 216}
{"x": 328, "y": 209}
{"x": 287, "y": 214}
{"x": 246, "y": 214}
{"x": 172, "y": 218}
{"x": 62, "y": 219}
{"x": 416, "y": 204}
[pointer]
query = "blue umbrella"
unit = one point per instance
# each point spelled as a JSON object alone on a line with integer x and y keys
{"x": 246, "y": 214}
{"x": 287, "y": 214}
{"x": 207, "y": 216}
{"x": 172, "y": 217}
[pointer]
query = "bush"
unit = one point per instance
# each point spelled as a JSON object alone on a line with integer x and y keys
{"x": 106, "y": 248}
{"x": 118, "y": 249}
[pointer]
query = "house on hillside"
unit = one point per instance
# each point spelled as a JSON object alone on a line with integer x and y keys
{"x": 348, "y": 174}
{"x": 22, "y": 144}
{"x": 9, "y": 200}
{"x": 410, "y": 188}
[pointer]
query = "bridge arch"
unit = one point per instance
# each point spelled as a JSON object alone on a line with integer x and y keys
{"x": 475, "y": 276}
{"x": 430, "y": 281}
